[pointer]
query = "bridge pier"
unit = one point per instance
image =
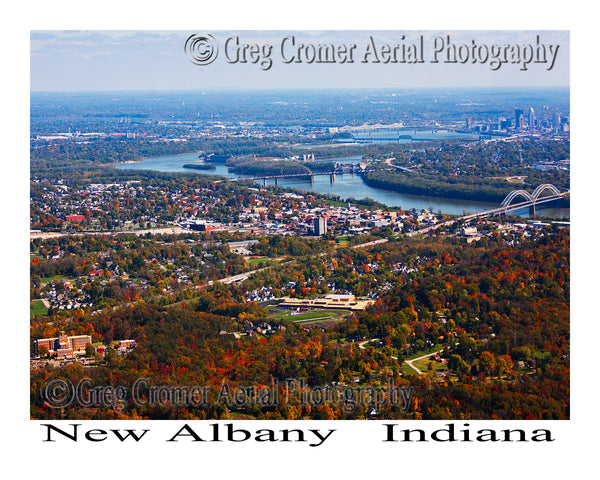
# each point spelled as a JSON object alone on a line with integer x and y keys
{"x": 532, "y": 210}
{"x": 264, "y": 182}
{"x": 332, "y": 178}
{"x": 312, "y": 179}
{"x": 276, "y": 181}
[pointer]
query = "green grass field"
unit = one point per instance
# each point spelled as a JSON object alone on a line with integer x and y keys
{"x": 313, "y": 317}
{"x": 55, "y": 278}
{"x": 260, "y": 261}
{"x": 310, "y": 315}
{"x": 37, "y": 308}
{"x": 335, "y": 203}
{"x": 423, "y": 365}
{"x": 541, "y": 354}
{"x": 430, "y": 351}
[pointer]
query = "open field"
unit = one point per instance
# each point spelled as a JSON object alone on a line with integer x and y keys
{"x": 260, "y": 261}
{"x": 324, "y": 318}
{"x": 55, "y": 278}
{"x": 37, "y": 308}
{"x": 423, "y": 365}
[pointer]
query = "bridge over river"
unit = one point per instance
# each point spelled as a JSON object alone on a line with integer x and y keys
{"x": 340, "y": 169}
{"x": 531, "y": 200}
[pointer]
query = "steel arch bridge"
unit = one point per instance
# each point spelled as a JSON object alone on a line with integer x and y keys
{"x": 546, "y": 186}
{"x": 529, "y": 197}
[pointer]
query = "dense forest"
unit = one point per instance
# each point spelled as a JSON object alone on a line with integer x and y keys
{"x": 499, "y": 310}
{"x": 476, "y": 172}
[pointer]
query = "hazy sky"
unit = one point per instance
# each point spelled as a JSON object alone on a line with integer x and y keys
{"x": 156, "y": 60}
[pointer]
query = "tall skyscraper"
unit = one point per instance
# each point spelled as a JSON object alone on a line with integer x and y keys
{"x": 518, "y": 118}
{"x": 531, "y": 118}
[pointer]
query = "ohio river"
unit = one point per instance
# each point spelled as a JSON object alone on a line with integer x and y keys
{"x": 346, "y": 186}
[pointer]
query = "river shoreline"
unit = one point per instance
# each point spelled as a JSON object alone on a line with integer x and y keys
{"x": 133, "y": 162}
{"x": 345, "y": 186}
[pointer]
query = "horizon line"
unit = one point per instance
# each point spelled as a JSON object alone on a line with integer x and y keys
{"x": 251, "y": 89}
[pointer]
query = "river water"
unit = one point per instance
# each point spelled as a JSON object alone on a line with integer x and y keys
{"x": 346, "y": 186}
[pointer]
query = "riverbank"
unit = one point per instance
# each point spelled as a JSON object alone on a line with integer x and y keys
{"x": 451, "y": 192}
{"x": 144, "y": 159}
{"x": 349, "y": 187}
{"x": 457, "y": 191}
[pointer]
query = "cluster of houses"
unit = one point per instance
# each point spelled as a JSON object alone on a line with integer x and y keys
{"x": 279, "y": 214}
{"x": 250, "y": 329}
{"x": 61, "y": 295}
{"x": 263, "y": 294}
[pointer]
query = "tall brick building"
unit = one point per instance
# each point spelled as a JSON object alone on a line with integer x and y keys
{"x": 63, "y": 346}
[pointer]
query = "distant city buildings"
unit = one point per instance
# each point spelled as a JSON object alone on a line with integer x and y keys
{"x": 541, "y": 124}
{"x": 518, "y": 119}
{"x": 556, "y": 122}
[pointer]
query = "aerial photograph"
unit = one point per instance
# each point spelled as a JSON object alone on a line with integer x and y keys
{"x": 299, "y": 225}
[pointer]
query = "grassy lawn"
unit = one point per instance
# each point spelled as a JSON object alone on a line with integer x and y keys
{"x": 37, "y": 308}
{"x": 322, "y": 318}
{"x": 406, "y": 370}
{"x": 55, "y": 278}
{"x": 335, "y": 203}
{"x": 430, "y": 351}
{"x": 309, "y": 315}
{"x": 273, "y": 311}
{"x": 541, "y": 354}
{"x": 260, "y": 261}
{"x": 319, "y": 314}
{"x": 423, "y": 365}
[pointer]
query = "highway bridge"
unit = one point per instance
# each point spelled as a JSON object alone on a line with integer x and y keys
{"x": 531, "y": 200}
{"x": 340, "y": 169}
{"x": 531, "y": 204}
